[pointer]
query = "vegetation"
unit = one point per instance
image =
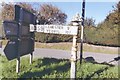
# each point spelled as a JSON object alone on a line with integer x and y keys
{"x": 49, "y": 14}
{"x": 105, "y": 33}
{"x": 8, "y": 11}
{"x": 56, "y": 68}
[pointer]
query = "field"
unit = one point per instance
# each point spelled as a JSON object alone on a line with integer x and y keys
{"x": 54, "y": 68}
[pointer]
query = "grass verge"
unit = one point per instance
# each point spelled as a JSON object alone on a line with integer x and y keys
{"x": 68, "y": 46}
{"x": 86, "y": 47}
{"x": 54, "y": 68}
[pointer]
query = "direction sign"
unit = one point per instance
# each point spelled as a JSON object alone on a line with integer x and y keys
{"x": 10, "y": 28}
{"x": 56, "y": 29}
{"x": 24, "y": 16}
{"x": 10, "y": 50}
{"x": 13, "y": 29}
{"x": 21, "y": 39}
{"x": 24, "y": 30}
{"x": 15, "y": 47}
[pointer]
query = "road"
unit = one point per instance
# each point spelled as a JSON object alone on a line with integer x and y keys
{"x": 62, "y": 54}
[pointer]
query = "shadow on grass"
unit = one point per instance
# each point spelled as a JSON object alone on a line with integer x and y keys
{"x": 98, "y": 72}
{"x": 48, "y": 69}
{"x": 47, "y": 66}
{"x": 48, "y": 61}
{"x": 92, "y": 60}
{"x": 89, "y": 77}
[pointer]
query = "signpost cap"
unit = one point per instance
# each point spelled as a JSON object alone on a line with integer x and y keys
{"x": 76, "y": 19}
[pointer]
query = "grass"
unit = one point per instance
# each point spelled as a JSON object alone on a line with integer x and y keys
{"x": 55, "y": 68}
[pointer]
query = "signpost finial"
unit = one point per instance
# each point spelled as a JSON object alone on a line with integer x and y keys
{"x": 76, "y": 19}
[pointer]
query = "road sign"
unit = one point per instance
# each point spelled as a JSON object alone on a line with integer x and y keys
{"x": 11, "y": 50}
{"x": 24, "y": 16}
{"x": 10, "y": 28}
{"x": 24, "y": 30}
{"x": 13, "y": 29}
{"x": 21, "y": 39}
{"x": 56, "y": 29}
{"x": 15, "y": 47}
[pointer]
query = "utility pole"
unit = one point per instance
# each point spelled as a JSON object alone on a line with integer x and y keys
{"x": 82, "y": 31}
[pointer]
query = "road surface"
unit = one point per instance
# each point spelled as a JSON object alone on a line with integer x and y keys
{"x": 62, "y": 54}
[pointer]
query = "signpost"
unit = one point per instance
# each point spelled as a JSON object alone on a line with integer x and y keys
{"x": 21, "y": 35}
{"x": 60, "y": 29}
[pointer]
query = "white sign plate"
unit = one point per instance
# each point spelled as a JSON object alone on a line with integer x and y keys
{"x": 32, "y": 28}
{"x": 57, "y": 29}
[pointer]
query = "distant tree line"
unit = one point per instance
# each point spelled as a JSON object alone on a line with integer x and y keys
{"x": 105, "y": 33}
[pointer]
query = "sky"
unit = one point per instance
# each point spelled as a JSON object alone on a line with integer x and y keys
{"x": 96, "y": 9}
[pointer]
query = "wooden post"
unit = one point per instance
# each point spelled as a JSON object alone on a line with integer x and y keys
{"x": 31, "y": 58}
{"x": 18, "y": 57}
{"x": 18, "y": 65}
{"x": 73, "y": 58}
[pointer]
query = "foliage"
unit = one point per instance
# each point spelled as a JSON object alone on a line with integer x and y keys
{"x": 49, "y": 14}
{"x": 106, "y": 32}
{"x": 89, "y": 22}
{"x": 8, "y": 10}
{"x": 55, "y": 68}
